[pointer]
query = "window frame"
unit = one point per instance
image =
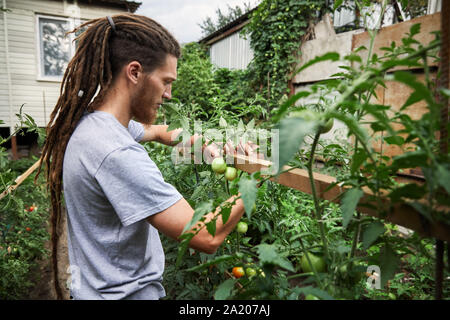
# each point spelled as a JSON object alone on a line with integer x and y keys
{"x": 71, "y": 22}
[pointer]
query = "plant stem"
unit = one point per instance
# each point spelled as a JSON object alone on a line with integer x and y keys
{"x": 356, "y": 236}
{"x": 314, "y": 194}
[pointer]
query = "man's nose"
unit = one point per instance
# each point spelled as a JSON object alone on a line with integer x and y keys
{"x": 168, "y": 93}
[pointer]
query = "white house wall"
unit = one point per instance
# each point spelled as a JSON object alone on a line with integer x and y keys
{"x": 232, "y": 52}
{"x": 21, "y": 85}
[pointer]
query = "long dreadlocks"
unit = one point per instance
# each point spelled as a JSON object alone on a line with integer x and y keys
{"x": 103, "y": 49}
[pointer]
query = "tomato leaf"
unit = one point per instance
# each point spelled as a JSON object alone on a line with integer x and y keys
{"x": 292, "y": 132}
{"x": 202, "y": 209}
{"x": 314, "y": 291}
{"x": 371, "y": 233}
{"x": 388, "y": 264}
{"x": 348, "y": 204}
{"x": 248, "y": 189}
{"x": 397, "y": 140}
{"x": 268, "y": 254}
{"x": 220, "y": 259}
{"x": 224, "y": 289}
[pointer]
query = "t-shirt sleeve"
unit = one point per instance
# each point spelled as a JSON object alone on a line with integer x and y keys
{"x": 134, "y": 185}
{"x": 136, "y": 129}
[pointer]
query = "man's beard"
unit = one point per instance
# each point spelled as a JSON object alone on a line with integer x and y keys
{"x": 143, "y": 109}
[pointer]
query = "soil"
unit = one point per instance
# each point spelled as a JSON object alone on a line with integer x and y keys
{"x": 44, "y": 289}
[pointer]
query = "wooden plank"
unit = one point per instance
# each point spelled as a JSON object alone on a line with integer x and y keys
{"x": 396, "y": 32}
{"x": 400, "y": 214}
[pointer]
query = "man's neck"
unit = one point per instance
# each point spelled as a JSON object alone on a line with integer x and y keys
{"x": 117, "y": 103}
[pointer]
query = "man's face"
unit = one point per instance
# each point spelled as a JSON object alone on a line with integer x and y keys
{"x": 152, "y": 89}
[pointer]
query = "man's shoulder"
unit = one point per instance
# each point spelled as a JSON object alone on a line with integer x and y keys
{"x": 96, "y": 136}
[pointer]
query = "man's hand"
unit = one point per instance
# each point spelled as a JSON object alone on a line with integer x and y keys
{"x": 213, "y": 150}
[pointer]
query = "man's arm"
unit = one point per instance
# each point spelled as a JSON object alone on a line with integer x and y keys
{"x": 171, "y": 222}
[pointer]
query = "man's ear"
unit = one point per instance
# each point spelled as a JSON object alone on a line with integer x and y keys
{"x": 133, "y": 71}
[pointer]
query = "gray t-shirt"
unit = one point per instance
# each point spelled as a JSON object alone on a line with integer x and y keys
{"x": 110, "y": 187}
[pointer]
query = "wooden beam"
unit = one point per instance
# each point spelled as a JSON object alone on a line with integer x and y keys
{"x": 399, "y": 213}
{"x": 15, "y": 153}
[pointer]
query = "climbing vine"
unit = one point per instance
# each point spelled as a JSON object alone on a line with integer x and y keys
{"x": 276, "y": 30}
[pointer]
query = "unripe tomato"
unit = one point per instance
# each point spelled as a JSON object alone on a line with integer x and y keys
{"x": 238, "y": 272}
{"x": 250, "y": 272}
{"x": 218, "y": 165}
{"x": 327, "y": 126}
{"x": 230, "y": 173}
{"x": 242, "y": 227}
{"x": 311, "y": 297}
{"x": 317, "y": 262}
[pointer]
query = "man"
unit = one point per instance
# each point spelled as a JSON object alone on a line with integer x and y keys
{"x": 116, "y": 198}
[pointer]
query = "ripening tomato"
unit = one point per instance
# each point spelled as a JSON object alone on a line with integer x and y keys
{"x": 238, "y": 272}
{"x": 242, "y": 227}
{"x": 218, "y": 165}
{"x": 230, "y": 173}
{"x": 316, "y": 261}
{"x": 250, "y": 272}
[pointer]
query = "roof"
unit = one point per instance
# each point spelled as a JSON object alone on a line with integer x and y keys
{"x": 228, "y": 29}
{"x": 130, "y": 6}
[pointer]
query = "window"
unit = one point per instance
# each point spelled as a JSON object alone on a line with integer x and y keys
{"x": 55, "y": 48}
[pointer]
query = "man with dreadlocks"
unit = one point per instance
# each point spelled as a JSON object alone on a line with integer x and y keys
{"x": 116, "y": 197}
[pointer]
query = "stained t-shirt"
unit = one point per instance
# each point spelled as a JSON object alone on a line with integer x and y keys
{"x": 111, "y": 186}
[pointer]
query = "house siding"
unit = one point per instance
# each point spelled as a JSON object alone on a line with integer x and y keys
{"x": 38, "y": 97}
{"x": 232, "y": 52}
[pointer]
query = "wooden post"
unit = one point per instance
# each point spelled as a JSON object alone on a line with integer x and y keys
{"x": 14, "y": 151}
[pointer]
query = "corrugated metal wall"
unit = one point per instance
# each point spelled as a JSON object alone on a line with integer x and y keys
{"x": 232, "y": 52}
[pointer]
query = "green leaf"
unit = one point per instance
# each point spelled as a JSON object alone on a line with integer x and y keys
{"x": 211, "y": 227}
{"x": 443, "y": 177}
{"x": 268, "y": 254}
{"x": 371, "y": 233}
{"x": 415, "y": 29}
{"x": 314, "y": 291}
{"x": 224, "y": 289}
{"x": 397, "y": 140}
{"x": 182, "y": 247}
{"x": 248, "y": 190}
{"x": 411, "y": 80}
{"x": 288, "y": 103}
{"x": 220, "y": 259}
{"x": 411, "y": 159}
{"x": 349, "y": 202}
{"x": 409, "y": 191}
{"x": 337, "y": 3}
{"x": 389, "y": 262}
{"x": 351, "y": 123}
{"x": 202, "y": 209}
{"x": 358, "y": 159}
{"x": 292, "y": 132}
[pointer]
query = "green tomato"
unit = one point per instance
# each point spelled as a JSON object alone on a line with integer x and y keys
{"x": 317, "y": 262}
{"x": 250, "y": 272}
{"x": 311, "y": 297}
{"x": 327, "y": 126}
{"x": 392, "y": 296}
{"x": 242, "y": 227}
{"x": 230, "y": 173}
{"x": 218, "y": 165}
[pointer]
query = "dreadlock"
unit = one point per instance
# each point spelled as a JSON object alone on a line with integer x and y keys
{"x": 102, "y": 50}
